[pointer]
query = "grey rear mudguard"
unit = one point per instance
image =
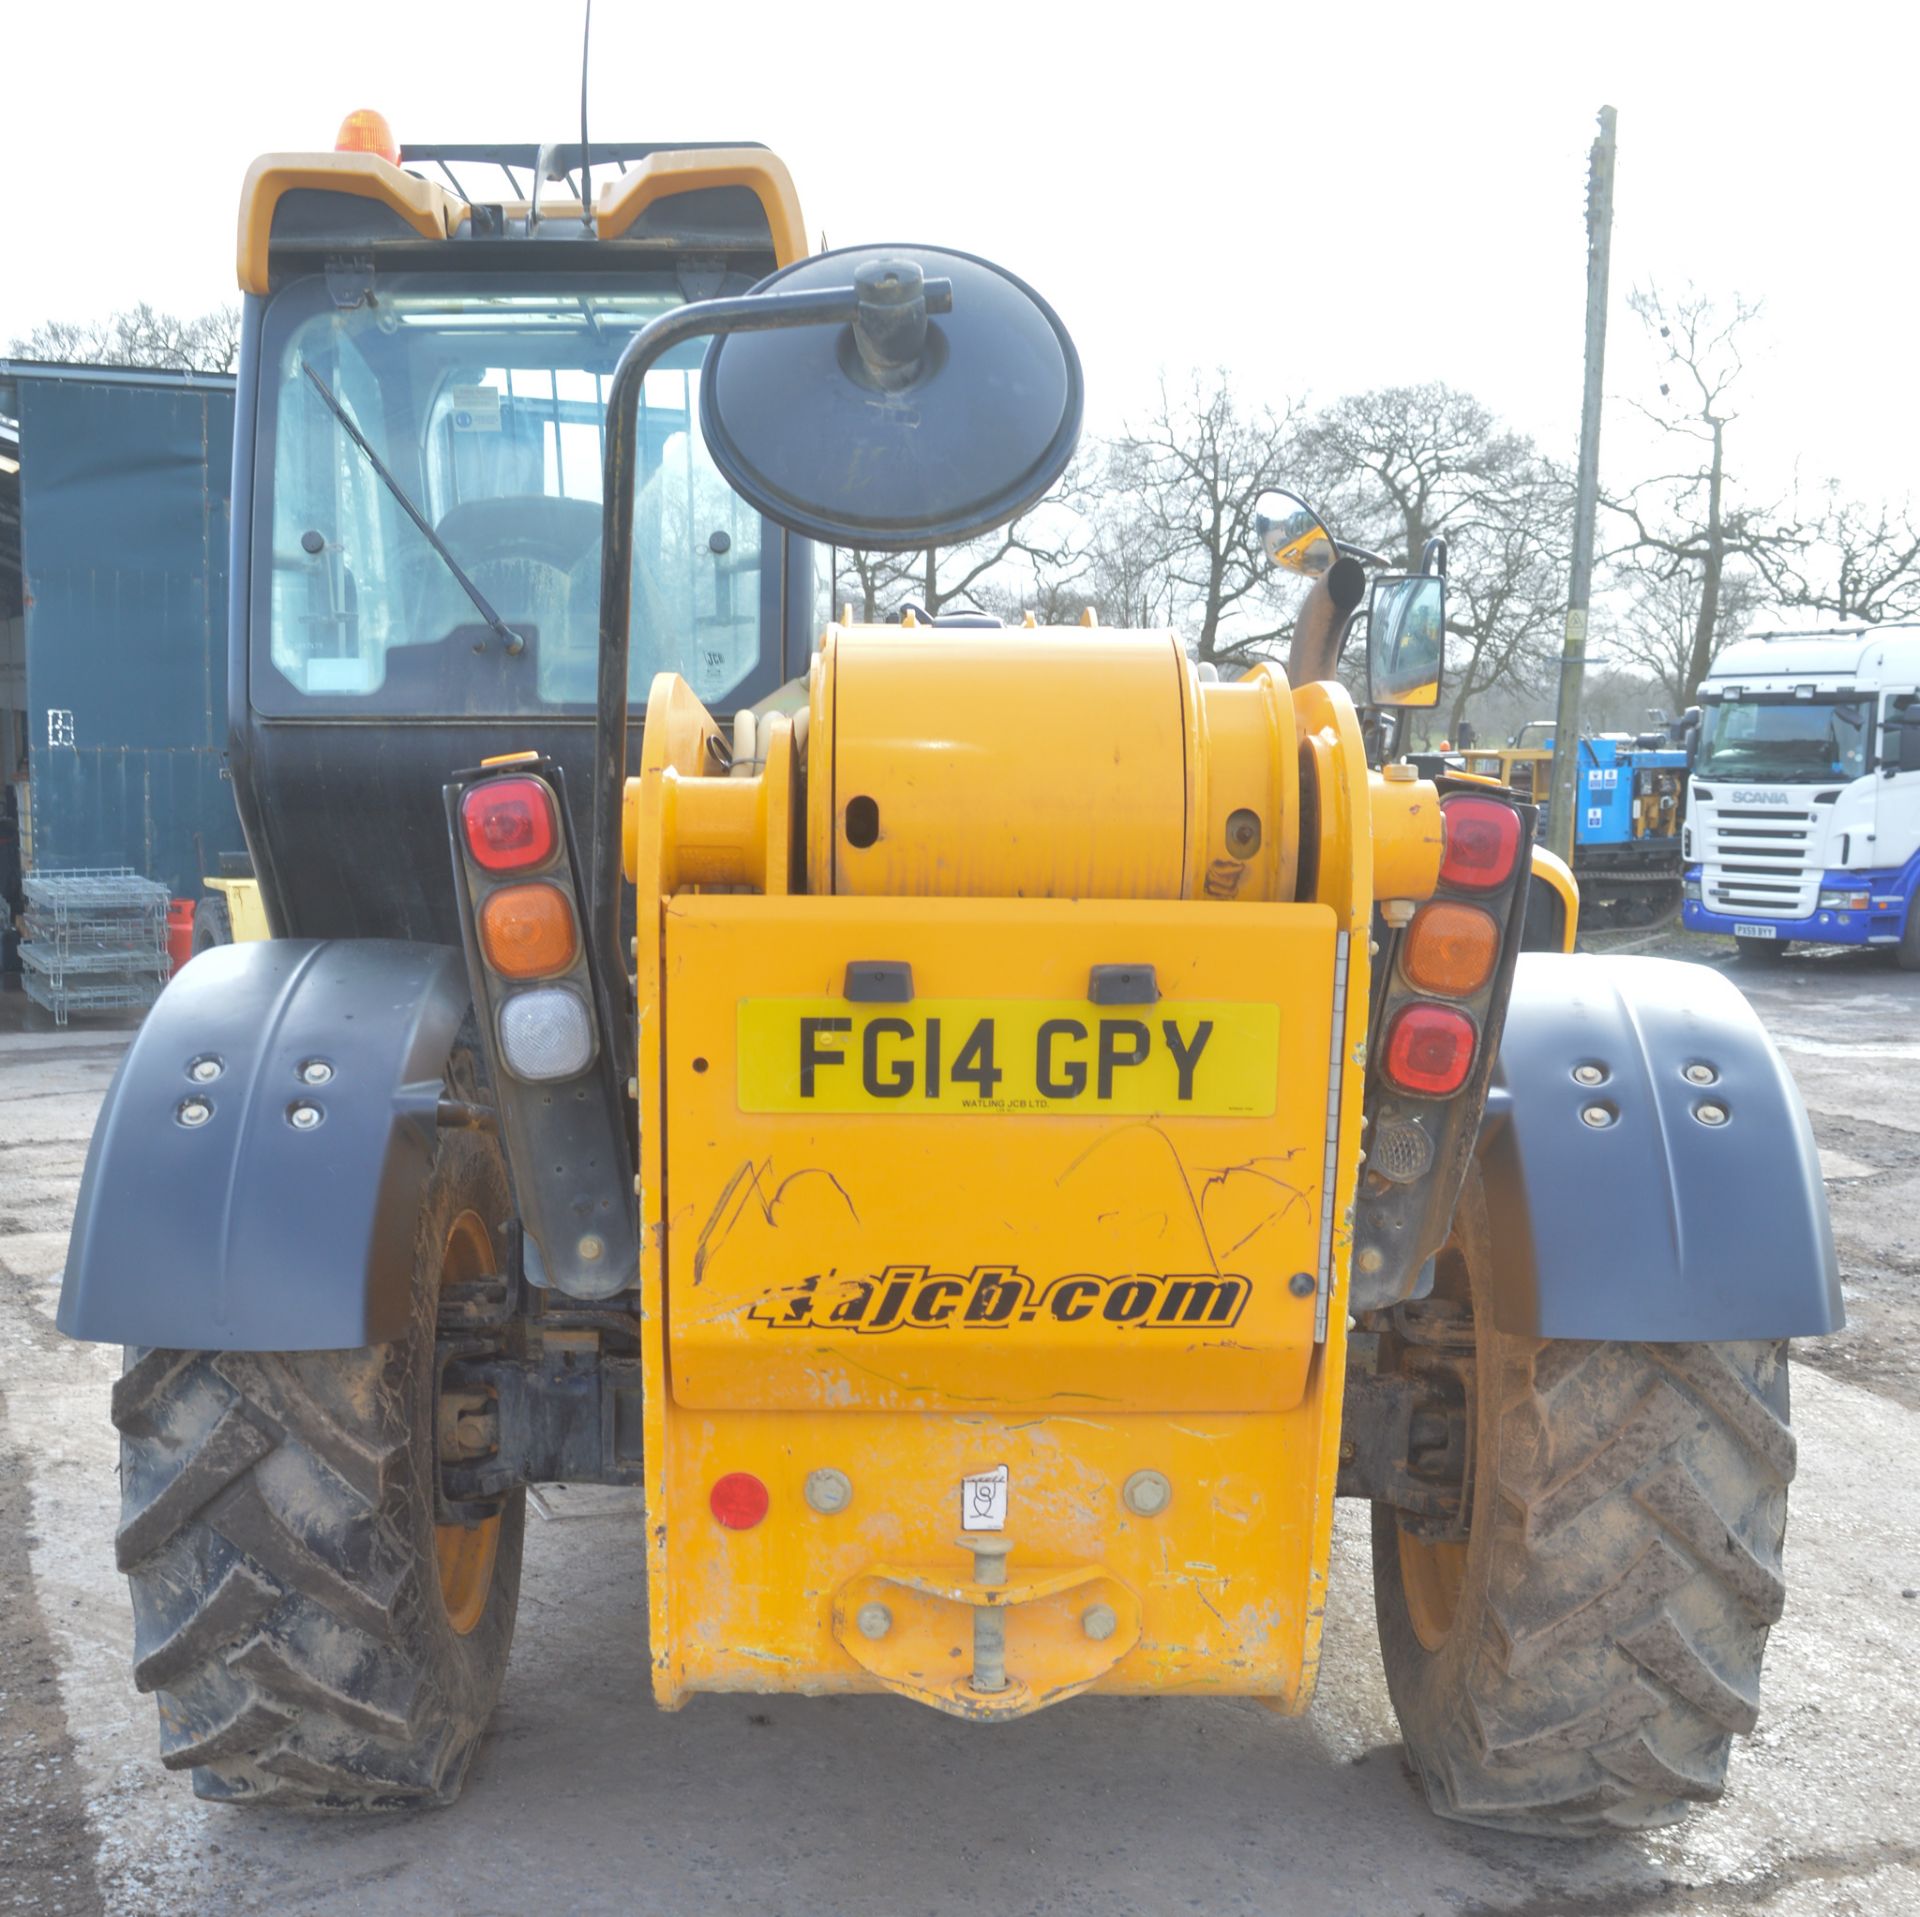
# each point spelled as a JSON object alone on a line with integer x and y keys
{"x": 1656, "y": 1225}
{"x": 243, "y": 1232}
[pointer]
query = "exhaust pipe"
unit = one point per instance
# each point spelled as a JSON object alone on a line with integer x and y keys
{"x": 1322, "y": 624}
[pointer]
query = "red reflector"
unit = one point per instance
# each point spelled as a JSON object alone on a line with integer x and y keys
{"x": 1430, "y": 1050}
{"x": 739, "y": 1500}
{"x": 1483, "y": 839}
{"x": 509, "y": 824}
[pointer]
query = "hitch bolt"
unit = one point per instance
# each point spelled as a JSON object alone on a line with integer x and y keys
{"x": 829, "y": 1491}
{"x": 873, "y": 1621}
{"x": 1588, "y": 1075}
{"x": 1147, "y": 1493}
{"x": 316, "y": 1071}
{"x": 194, "y": 1111}
{"x": 303, "y": 1118}
{"x": 1700, "y": 1074}
{"x": 203, "y": 1071}
{"x": 1099, "y": 1622}
{"x": 1597, "y": 1117}
{"x": 1710, "y": 1114}
{"x": 989, "y": 1550}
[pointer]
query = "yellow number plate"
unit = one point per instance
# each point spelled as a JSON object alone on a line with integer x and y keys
{"x": 1212, "y": 1059}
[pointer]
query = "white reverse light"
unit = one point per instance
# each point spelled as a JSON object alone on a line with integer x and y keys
{"x": 546, "y": 1033}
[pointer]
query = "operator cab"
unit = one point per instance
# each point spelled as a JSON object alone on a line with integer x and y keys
{"x": 420, "y": 446}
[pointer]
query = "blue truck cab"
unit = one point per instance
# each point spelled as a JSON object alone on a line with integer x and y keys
{"x": 1804, "y": 814}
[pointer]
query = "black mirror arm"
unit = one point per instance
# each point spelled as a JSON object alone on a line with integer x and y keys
{"x": 744, "y": 313}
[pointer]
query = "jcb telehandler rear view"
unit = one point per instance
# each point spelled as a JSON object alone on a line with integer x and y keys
{"x": 991, "y": 1130}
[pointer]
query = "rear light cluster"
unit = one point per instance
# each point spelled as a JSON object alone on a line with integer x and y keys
{"x": 528, "y": 927}
{"x": 1450, "y": 949}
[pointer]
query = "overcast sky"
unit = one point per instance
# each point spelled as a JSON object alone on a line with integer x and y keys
{"x": 1320, "y": 199}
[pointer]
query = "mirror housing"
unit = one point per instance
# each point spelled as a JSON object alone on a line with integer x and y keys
{"x": 1292, "y": 535}
{"x": 1406, "y": 642}
{"x": 916, "y": 425}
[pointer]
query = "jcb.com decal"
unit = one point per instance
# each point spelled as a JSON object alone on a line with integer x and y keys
{"x": 990, "y": 1297}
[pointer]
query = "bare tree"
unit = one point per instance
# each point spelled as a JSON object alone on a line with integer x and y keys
{"x": 1687, "y": 526}
{"x": 1855, "y": 561}
{"x": 1039, "y": 544}
{"x": 1170, "y": 511}
{"x": 1657, "y": 625}
{"x": 140, "y": 336}
{"x": 1397, "y": 467}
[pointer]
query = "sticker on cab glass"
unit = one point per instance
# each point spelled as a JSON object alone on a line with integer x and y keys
{"x": 476, "y": 409}
{"x": 1212, "y": 1058}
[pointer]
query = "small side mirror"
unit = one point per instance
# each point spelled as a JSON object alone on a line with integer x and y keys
{"x": 1405, "y": 642}
{"x": 1293, "y": 535}
{"x": 1910, "y": 743}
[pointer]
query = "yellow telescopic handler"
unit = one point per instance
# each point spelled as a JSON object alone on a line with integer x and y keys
{"x": 992, "y": 1132}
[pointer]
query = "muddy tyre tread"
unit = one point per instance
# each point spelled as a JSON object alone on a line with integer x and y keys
{"x": 1611, "y": 1638}
{"x": 277, "y": 1531}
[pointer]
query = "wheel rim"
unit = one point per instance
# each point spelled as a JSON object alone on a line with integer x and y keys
{"x": 465, "y": 1552}
{"x": 1432, "y": 1576}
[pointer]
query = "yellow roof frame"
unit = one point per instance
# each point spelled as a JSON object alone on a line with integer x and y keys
{"x": 436, "y": 214}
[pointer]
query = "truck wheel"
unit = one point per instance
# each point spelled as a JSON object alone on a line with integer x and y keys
{"x": 1760, "y": 951}
{"x": 1581, "y": 1662}
{"x": 313, "y": 1634}
{"x": 1906, "y": 954}
{"x": 212, "y": 924}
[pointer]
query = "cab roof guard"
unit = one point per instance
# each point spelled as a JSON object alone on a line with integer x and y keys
{"x": 404, "y": 206}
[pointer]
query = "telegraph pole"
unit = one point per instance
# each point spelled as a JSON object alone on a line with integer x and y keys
{"x": 1573, "y": 654}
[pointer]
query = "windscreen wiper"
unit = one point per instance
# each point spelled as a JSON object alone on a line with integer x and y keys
{"x": 508, "y": 637}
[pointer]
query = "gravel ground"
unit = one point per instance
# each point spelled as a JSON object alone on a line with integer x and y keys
{"x": 586, "y": 1799}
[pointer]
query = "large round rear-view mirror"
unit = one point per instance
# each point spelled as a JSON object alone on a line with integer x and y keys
{"x": 904, "y": 430}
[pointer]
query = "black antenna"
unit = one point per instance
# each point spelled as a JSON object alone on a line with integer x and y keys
{"x": 586, "y": 152}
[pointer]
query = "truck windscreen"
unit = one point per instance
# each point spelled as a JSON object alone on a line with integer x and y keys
{"x": 1791, "y": 740}
{"x": 486, "y": 406}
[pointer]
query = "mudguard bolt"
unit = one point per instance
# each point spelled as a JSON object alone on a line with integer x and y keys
{"x": 1147, "y": 1493}
{"x": 303, "y": 1118}
{"x": 829, "y": 1491}
{"x": 1710, "y": 1114}
{"x": 1099, "y": 1622}
{"x": 316, "y": 1071}
{"x": 1588, "y": 1075}
{"x": 1597, "y": 1116}
{"x": 203, "y": 1071}
{"x": 1701, "y": 1074}
{"x": 873, "y": 1620}
{"x": 194, "y": 1111}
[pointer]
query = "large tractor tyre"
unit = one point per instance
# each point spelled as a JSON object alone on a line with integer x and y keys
{"x": 212, "y": 924}
{"x": 314, "y": 1636}
{"x": 1581, "y": 1663}
{"x": 1760, "y": 951}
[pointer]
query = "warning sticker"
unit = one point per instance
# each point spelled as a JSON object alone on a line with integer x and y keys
{"x": 476, "y": 409}
{"x": 983, "y": 1500}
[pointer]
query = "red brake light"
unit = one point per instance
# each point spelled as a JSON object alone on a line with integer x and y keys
{"x": 1430, "y": 1050}
{"x": 509, "y": 824}
{"x": 1483, "y": 840}
{"x": 739, "y": 1500}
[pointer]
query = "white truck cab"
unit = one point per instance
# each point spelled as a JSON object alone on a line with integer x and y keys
{"x": 1803, "y": 816}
